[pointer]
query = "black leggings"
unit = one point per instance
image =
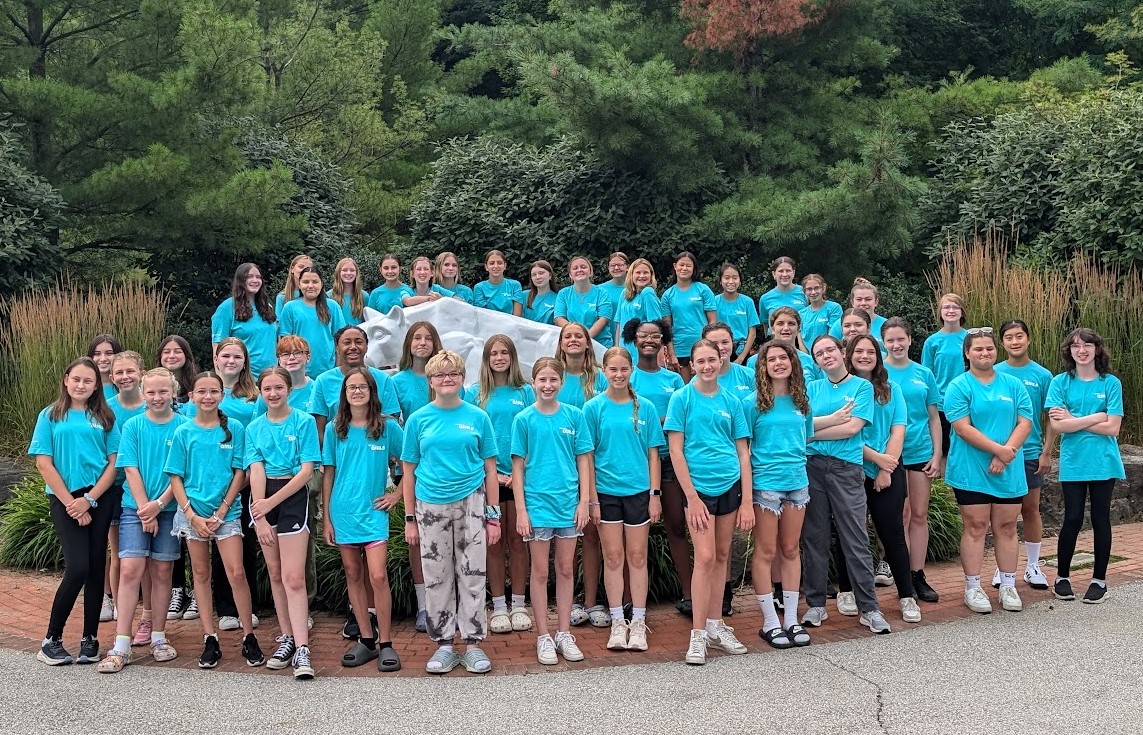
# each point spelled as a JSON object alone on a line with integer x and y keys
{"x": 1075, "y": 497}
{"x": 223, "y": 594}
{"x": 85, "y": 560}
{"x": 886, "y": 508}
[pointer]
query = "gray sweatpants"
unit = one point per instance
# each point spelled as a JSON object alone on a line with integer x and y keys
{"x": 837, "y": 489}
{"x": 455, "y": 561}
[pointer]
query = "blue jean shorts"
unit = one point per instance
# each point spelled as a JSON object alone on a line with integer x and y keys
{"x": 135, "y": 543}
{"x": 547, "y": 533}
{"x": 183, "y": 529}
{"x": 774, "y": 500}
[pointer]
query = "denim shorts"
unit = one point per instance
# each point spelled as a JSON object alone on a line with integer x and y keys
{"x": 775, "y": 500}
{"x": 135, "y": 543}
{"x": 547, "y": 533}
{"x": 183, "y": 529}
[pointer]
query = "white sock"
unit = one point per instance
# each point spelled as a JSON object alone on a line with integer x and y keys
{"x": 446, "y": 648}
{"x": 972, "y": 582}
{"x": 1100, "y": 582}
{"x": 638, "y": 613}
{"x": 420, "y": 590}
{"x": 499, "y": 604}
{"x": 156, "y": 636}
{"x": 373, "y": 610}
{"x": 517, "y": 601}
{"x": 712, "y": 627}
{"x": 1032, "y": 551}
{"x": 769, "y": 615}
{"x": 561, "y": 634}
{"x": 122, "y": 644}
{"x": 616, "y": 613}
{"x": 1008, "y": 579}
{"x": 790, "y": 604}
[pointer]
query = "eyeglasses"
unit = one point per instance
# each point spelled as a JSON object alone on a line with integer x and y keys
{"x": 980, "y": 330}
{"x": 356, "y": 388}
{"x": 450, "y": 377}
{"x": 294, "y": 353}
{"x": 650, "y": 336}
{"x": 204, "y": 393}
{"x": 950, "y": 307}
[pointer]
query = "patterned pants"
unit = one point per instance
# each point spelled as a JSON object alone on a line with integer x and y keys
{"x": 454, "y": 558}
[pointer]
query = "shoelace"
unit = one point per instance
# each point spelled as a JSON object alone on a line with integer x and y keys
{"x": 698, "y": 645}
{"x": 284, "y": 646}
{"x": 302, "y": 656}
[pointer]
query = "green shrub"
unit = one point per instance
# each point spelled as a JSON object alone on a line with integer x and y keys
{"x": 945, "y": 525}
{"x": 27, "y": 538}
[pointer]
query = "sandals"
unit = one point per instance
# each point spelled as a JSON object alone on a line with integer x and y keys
{"x": 357, "y": 655}
{"x": 777, "y": 638}
{"x": 476, "y": 662}
{"x": 599, "y": 617}
{"x": 499, "y": 622}
{"x": 520, "y": 619}
{"x": 578, "y": 614}
{"x": 684, "y": 606}
{"x": 798, "y": 635}
{"x": 443, "y": 661}
{"x": 388, "y": 660}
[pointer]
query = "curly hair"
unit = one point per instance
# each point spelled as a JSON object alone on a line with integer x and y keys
{"x": 796, "y": 383}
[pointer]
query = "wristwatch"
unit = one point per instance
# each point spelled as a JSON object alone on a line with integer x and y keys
{"x": 656, "y": 492}
{"x": 410, "y": 518}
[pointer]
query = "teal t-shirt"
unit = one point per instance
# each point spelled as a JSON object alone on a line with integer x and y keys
{"x": 740, "y": 315}
{"x": 993, "y": 409}
{"x": 282, "y": 446}
{"x": 122, "y": 416}
{"x": 810, "y": 369}
{"x": 739, "y": 380}
{"x": 1036, "y": 379}
{"x": 144, "y": 444}
{"x": 710, "y": 426}
{"x": 280, "y": 300}
{"x": 875, "y": 434}
{"x": 462, "y": 292}
{"x": 687, "y": 310}
{"x": 347, "y": 316}
{"x": 77, "y": 444}
{"x": 825, "y": 398}
{"x": 496, "y": 296}
{"x": 622, "y": 441}
{"x": 259, "y": 336}
{"x": 361, "y": 475}
{"x": 327, "y": 393}
{"x": 233, "y": 406}
{"x": 919, "y": 389}
{"x": 774, "y": 299}
{"x": 503, "y": 404}
{"x": 1085, "y": 455}
{"x": 614, "y": 291}
{"x": 874, "y": 331}
{"x": 206, "y": 462}
{"x": 572, "y": 392}
{"x": 778, "y": 441}
{"x": 816, "y": 322}
{"x": 645, "y": 307}
{"x": 301, "y": 319}
{"x": 449, "y": 446}
{"x": 657, "y": 387}
{"x": 586, "y": 309}
{"x": 549, "y": 445}
{"x": 109, "y": 391}
{"x": 543, "y": 308}
{"x": 299, "y": 398}
{"x": 943, "y": 353}
{"x": 412, "y": 392}
{"x": 383, "y": 298}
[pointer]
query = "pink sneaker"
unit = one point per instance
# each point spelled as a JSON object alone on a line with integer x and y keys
{"x": 143, "y": 633}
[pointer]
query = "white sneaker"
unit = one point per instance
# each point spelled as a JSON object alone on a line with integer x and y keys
{"x": 1035, "y": 578}
{"x": 996, "y": 580}
{"x": 637, "y": 635}
{"x": 876, "y": 622}
{"x": 1010, "y": 599}
{"x": 977, "y": 601}
{"x": 618, "y": 639}
{"x": 107, "y": 611}
{"x": 546, "y": 651}
{"x": 847, "y": 604}
{"x": 724, "y": 639}
{"x": 696, "y": 651}
{"x": 229, "y": 622}
{"x": 910, "y": 613}
{"x": 566, "y": 647}
{"x": 882, "y": 574}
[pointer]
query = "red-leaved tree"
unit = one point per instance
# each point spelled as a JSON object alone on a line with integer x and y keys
{"x": 736, "y": 25}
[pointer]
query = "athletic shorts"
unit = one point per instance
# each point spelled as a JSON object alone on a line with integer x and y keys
{"x": 135, "y": 543}
{"x": 1034, "y": 481}
{"x": 293, "y": 515}
{"x": 972, "y": 497}
{"x": 916, "y": 467}
{"x": 630, "y": 510}
{"x": 722, "y": 505}
{"x": 506, "y": 495}
{"x": 666, "y": 469}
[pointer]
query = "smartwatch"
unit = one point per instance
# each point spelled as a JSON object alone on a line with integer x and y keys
{"x": 410, "y": 518}
{"x": 656, "y": 492}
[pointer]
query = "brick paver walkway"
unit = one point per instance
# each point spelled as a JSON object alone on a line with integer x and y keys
{"x": 27, "y": 598}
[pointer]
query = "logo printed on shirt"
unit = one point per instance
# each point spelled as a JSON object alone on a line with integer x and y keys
{"x": 516, "y": 402}
{"x": 567, "y": 431}
{"x": 466, "y": 427}
{"x": 291, "y": 438}
{"x": 695, "y": 298}
{"x": 377, "y": 447}
{"x": 1006, "y": 399}
{"x": 917, "y": 381}
{"x": 723, "y": 414}
{"x": 1101, "y": 396}
{"x": 226, "y": 446}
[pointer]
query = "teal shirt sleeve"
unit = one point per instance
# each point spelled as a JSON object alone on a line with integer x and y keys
{"x": 583, "y": 442}
{"x": 309, "y": 449}
{"x": 957, "y": 401}
{"x": 222, "y": 321}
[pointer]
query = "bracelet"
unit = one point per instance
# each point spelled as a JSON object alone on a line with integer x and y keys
{"x": 492, "y": 521}
{"x": 185, "y": 508}
{"x": 226, "y": 503}
{"x": 215, "y": 518}
{"x": 492, "y": 512}
{"x": 593, "y": 505}
{"x": 90, "y": 500}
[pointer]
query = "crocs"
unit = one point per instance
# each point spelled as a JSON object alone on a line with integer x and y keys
{"x": 499, "y": 622}
{"x": 443, "y": 661}
{"x": 578, "y": 614}
{"x": 599, "y": 617}
{"x": 520, "y": 619}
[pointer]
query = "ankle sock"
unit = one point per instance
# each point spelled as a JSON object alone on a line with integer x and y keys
{"x": 638, "y": 613}
{"x": 122, "y": 644}
{"x": 499, "y": 604}
{"x": 1099, "y": 582}
{"x": 517, "y": 600}
{"x": 369, "y": 643}
{"x": 1008, "y": 579}
{"x": 1032, "y": 551}
{"x": 972, "y": 582}
{"x": 616, "y": 613}
{"x": 420, "y": 590}
{"x": 156, "y": 636}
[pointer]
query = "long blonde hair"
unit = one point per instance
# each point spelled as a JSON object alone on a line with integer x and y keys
{"x": 620, "y": 352}
{"x": 629, "y": 281}
{"x": 590, "y": 366}
{"x": 438, "y": 264}
{"x": 291, "y": 283}
{"x": 337, "y": 293}
{"x": 487, "y": 380}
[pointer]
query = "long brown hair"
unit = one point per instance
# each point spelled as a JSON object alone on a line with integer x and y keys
{"x": 796, "y": 382}
{"x": 291, "y": 284}
{"x": 184, "y": 375}
{"x": 590, "y": 366}
{"x": 532, "y": 287}
{"x": 375, "y": 418}
{"x": 96, "y": 408}
{"x": 337, "y": 291}
{"x": 321, "y": 303}
{"x": 238, "y": 293}
{"x": 791, "y": 312}
{"x": 244, "y": 387}
{"x": 878, "y": 375}
{"x": 487, "y": 380}
{"x": 406, "y": 361}
{"x": 223, "y": 421}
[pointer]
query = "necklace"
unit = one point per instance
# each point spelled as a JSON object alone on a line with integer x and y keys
{"x": 836, "y": 383}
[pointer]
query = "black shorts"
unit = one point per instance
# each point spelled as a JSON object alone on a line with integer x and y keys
{"x": 630, "y": 510}
{"x": 506, "y": 495}
{"x": 972, "y": 497}
{"x": 666, "y": 469}
{"x": 916, "y": 467}
{"x": 1031, "y": 479}
{"x": 722, "y": 505}
{"x": 946, "y": 433}
{"x": 293, "y": 515}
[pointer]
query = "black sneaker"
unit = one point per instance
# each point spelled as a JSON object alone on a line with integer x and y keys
{"x": 1062, "y": 589}
{"x": 303, "y": 669}
{"x": 251, "y": 651}
{"x": 728, "y": 600}
{"x": 373, "y": 624}
{"x": 628, "y": 612}
{"x": 779, "y": 603}
{"x": 1095, "y": 594}
{"x": 179, "y": 602}
{"x": 88, "y": 650}
{"x": 285, "y": 653}
{"x": 351, "y": 630}
{"x": 924, "y": 590}
{"x": 684, "y": 607}
{"x": 53, "y": 653}
{"x": 211, "y": 653}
